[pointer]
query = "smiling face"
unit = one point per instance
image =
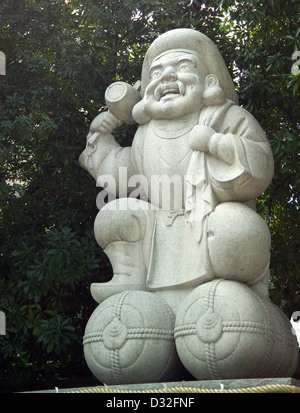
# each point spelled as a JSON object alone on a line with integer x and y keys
{"x": 176, "y": 86}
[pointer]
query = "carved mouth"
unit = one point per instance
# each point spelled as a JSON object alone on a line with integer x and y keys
{"x": 169, "y": 89}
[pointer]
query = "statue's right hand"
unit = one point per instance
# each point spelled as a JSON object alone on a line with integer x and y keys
{"x": 104, "y": 123}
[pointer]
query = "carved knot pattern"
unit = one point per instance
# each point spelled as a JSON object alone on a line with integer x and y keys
{"x": 116, "y": 334}
{"x": 210, "y": 328}
{"x": 173, "y": 215}
{"x": 114, "y": 338}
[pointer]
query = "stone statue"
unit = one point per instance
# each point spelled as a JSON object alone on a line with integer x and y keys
{"x": 183, "y": 231}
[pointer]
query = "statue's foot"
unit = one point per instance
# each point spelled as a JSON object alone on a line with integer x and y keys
{"x": 102, "y": 291}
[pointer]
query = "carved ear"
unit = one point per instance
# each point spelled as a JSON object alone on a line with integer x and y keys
{"x": 213, "y": 92}
{"x": 211, "y": 80}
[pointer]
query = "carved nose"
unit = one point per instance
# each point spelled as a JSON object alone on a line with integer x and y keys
{"x": 169, "y": 74}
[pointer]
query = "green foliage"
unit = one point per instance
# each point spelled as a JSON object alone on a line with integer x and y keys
{"x": 61, "y": 56}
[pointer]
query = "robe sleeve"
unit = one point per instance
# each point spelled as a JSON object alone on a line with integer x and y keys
{"x": 240, "y": 162}
{"x": 106, "y": 160}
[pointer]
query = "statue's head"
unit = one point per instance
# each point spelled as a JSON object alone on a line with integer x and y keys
{"x": 182, "y": 72}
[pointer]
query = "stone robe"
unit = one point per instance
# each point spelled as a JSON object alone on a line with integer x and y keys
{"x": 238, "y": 167}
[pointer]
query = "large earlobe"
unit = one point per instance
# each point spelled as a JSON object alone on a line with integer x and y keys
{"x": 213, "y": 92}
{"x": 139, "y": 114}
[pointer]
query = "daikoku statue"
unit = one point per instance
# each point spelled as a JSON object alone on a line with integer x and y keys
{"x": 189, "y": 253}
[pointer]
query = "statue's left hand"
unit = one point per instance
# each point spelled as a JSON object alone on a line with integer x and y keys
{"x": 199, "y": 138}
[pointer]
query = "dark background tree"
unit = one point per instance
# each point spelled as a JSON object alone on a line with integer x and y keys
{"x": 61, "y": 56}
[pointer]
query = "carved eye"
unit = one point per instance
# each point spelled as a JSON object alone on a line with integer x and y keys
{"x": 155, "y": 74}
{"x": 184, "y": 67}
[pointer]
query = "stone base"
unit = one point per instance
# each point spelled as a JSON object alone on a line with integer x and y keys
{"x": 274, "y": 385}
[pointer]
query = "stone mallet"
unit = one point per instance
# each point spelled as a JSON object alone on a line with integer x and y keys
{"x": 120, "y": 98}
